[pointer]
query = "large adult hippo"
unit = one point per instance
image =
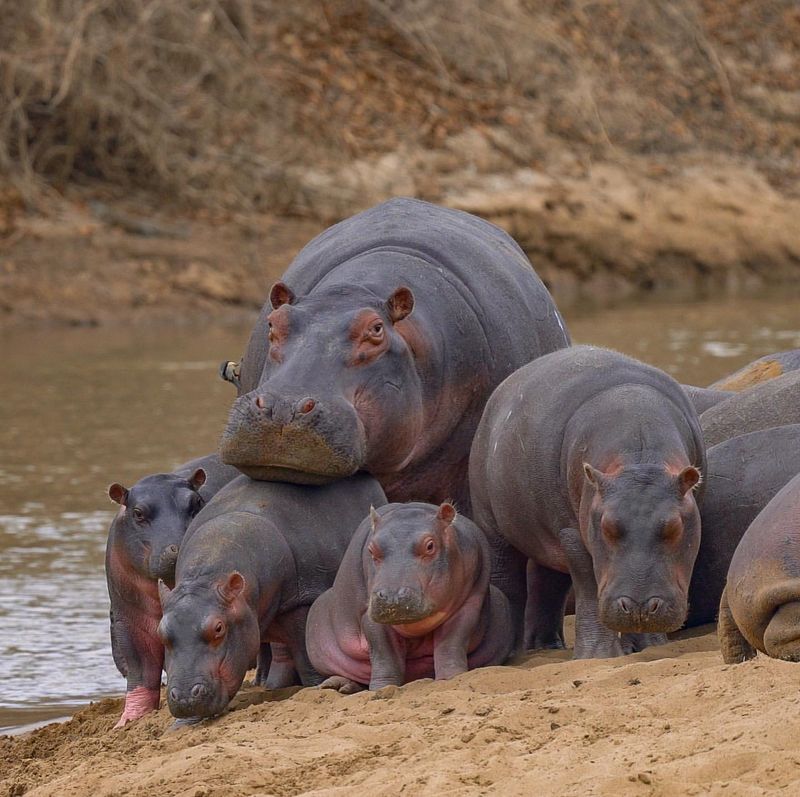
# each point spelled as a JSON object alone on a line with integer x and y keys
{"x": 380, "y": 347}
{"x": 143, "y": 544}
{"x": 586, "y": 462}
{"x": 774, "y": 403}
{"x": 704, "y": 398}
{"x": 742, "y": 476}
{"x": 760, "y": 607}
{"x": 761, "y": 370}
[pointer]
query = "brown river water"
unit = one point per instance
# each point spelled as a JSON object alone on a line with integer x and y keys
{"x": 84, "y": 407}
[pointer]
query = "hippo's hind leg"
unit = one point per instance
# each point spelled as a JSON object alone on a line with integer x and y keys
{"x": 294, "y": 624}
{"x": 544, "y": 610}
{"x": 782, "y": 635}
{"x": 735, "y": 648}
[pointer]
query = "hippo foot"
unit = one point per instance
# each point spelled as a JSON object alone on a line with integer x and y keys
{"x": 344, "y": 686}
{"x": 138, "y": 702}
{"x": 544, "y": 642}
{"x": 633, "y": 643}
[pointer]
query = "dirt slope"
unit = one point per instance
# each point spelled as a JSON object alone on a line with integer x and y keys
{"x": 672, "y": 722}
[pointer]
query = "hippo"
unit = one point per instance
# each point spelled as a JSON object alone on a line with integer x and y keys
{"x": 760, "y": 606}
{"x": 587, "y": 462}
{"x": 774, "y": 403}
{"x": 742, "y": 475}
{"x": 761, "y": 370}
{"x": 704, "y": 397}
{"x": 379, "y": 348}
{"x": 412, "y": 599}
{"x": 142, "y": 547}
{"x": 251, "y": 564}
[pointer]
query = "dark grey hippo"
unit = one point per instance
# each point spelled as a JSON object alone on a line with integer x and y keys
{"x": 412, "y": 599}
{"x": 379, "y": 348}
{"x": 250, "y": 566}
{"x": 586, "y": 463}
{"x": 704, "y": 397}
{"x": 142, "y": 548}
{"x": 742, "y": 476}
{"x": 760, "y": 607}
{"x": 761, "y": 370}
{"x": 773, "y": 403}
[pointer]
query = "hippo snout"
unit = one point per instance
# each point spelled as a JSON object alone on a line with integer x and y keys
{"x": 654, "y": 614}
{"x": 396, "y": 607}
{"x": 194, "y": 701}
{"x": 163, "y": 565}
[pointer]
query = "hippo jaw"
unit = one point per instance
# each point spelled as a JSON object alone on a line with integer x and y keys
{"x": 323, "y": 444}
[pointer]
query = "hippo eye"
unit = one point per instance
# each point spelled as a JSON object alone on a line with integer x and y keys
{"x": 219, "y": 629}
{"x": 610, "y": 530}
{"x": 376, "y": 330}
{"x": 271, "y": 333}
{"x": 198, "y": 505}
{"x": 430, "y": 546}
{"x": 374, "y": 552}
{"x": 138, "y": 515}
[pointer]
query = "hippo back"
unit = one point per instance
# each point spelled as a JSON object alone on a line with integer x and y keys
{"x": 761, "y": 370}
{"x": 482, "y": 262}
{"x": 743, "y": 475}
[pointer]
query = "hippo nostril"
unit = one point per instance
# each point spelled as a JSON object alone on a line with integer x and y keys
{"x": 172, "y": 549}
{"x": 625, "y": 605}
{"x": 174, "y": 695}
{"x": 381, "y": 594}
{"x": 198, "y": 690}
{"x": 304, "y": 406}
{"x": 654, "y": 605}
{"x": 404, "y": 593}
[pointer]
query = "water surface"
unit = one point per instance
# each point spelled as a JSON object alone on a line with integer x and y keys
{"x": 82, "y": 408}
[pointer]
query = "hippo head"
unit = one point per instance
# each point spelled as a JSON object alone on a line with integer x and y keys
{"x": 339, "y": 391}
{"x": 153, "y": 518}
{"x": 211, "y": 637}
{"x": 642, "y": 529}
{"x": 414, "y": 566}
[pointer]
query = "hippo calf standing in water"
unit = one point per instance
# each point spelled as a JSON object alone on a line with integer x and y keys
{"x": 142, "y": 547}
{"x": 760, "y": 607}
{"x": 411, "y": 600}
{"x": 252, "y": 563}
{"x": 585, "y": 462}
{"x": 380, "y": 347}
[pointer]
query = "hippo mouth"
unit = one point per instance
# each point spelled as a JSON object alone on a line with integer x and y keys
{"x": 314, "y": 449}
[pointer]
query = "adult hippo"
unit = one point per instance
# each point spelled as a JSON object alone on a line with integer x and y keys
{"x": 704, "y": 398}
{"x": 774, "y": 403}
{"x": 380, "y": 348}
{"x": 586, "y": 462}
{"x": 761, "y": 370}
{"x": 760, "y": 607}
{"x": 742, "y": 476}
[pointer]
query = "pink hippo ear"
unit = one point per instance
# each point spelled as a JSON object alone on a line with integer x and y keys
{"x": 163, "y": 592}
{"x": 446, "y": 513}
{"x": 688, "y": 479}
{"x": 595, "y": 477}
{"x": 118, "y": 494}
{"x": 197, "y": 479}
{"x": 374, "y": 517}
{"x": 281, "y": 294}
{"x": 400, "y": 304}
{"x": 232, "y": 587}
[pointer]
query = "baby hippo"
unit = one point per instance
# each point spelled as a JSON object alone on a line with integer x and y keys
{"x": 411, "y": 600}
{"x": 760, "y": 606}
{"x": 142, "y": 548}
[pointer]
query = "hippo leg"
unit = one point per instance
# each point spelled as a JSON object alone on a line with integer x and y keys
{"x": 735, "y": 648}
{"x": 544, "y": 612}
{"x": 451, "y": 639}
{"x": 593, "y": 640}
{"x": 344, "y": 686}
{"x": 633, "y": 643}
{"x": 497, "y": 643}
{"x": 263, "y": 665}
{"x": 282, "y": 672}
{"x": 387, "y": 654}
{"x": 509, "y": 576}
{"x": 294, "y": 625}
{"x": 782, "y": 634}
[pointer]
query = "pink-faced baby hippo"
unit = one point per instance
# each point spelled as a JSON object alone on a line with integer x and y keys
{"x": 251, "y": 565}
{"x": 142, "y": 547}
{"x": 411, "y": 600}
{"x": 760, "y": 607}
{"x": 586, "y": 463}
{"x": 380, "y": 347}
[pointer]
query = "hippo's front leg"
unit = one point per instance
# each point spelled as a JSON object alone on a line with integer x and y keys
{"x": 294, "y": 626}
{"x": 387, "y": 654}
{"x": 593, "y": 640}
{"x": 451, "y": 639}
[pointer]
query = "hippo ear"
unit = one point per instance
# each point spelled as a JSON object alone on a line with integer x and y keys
{"x": 373, "y": 517}
{"x": 197, "y": 479}
{"x": 689, "y": 478}
{"x": 400, "y": 304}
{"x": 118, "y": 494}
{"x": 595, "y": 477}
{"x": 163, "y": 592}
{"x": 232, "y": 588}
{"x": 281, "y": 294}
{"x": 446, "y": 513}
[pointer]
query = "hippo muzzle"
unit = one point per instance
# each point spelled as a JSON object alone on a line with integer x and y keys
{"x": 294, "y": 438}
{"x": 195, "y": 700}
{"x": 653, "y": 614}
{"x": 162, "y": 564}
{"x": 398, "y": 607}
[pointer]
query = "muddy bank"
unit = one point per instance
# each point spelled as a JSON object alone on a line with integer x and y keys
{"x": 680, "y": 724}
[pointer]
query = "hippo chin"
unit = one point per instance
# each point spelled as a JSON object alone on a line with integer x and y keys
{"x": 380, "y": 349}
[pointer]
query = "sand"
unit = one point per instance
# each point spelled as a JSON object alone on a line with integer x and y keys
{"x": 674, "y": 720}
